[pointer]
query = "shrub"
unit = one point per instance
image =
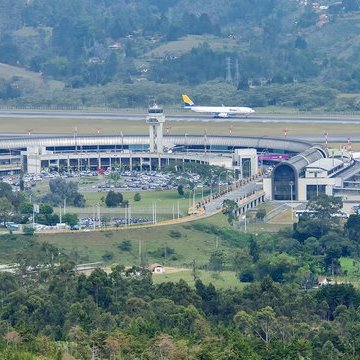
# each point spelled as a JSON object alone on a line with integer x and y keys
{"x": 175, "y": 234}
{"x": 125, "y": 245}
{"x": 108, "y": 256}
{"x": 28, "y": 230}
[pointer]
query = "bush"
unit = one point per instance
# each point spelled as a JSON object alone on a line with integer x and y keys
{"x": 108, "y": 256}
{"x": 137, "y": 197}
{"x": 125, "y": 245}
{"x": 260, "y": 215}
{"x": 180, "y": 190}
{"x": 113, "y": 199}
{"x": 161, "y": 252}
{"x": 175, "y": 234}
{"x": 71, "y": 219}
{"x": 28, "y": 230}
{"x": 247, "y": 276}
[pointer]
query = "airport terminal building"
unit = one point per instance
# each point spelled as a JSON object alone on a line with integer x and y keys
{"x": 308, "y": 174}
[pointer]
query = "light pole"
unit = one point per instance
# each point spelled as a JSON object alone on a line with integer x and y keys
{"x": 291, "y": 183}
{"x": 122, "y": 141}
{"x": 245, "y": 224}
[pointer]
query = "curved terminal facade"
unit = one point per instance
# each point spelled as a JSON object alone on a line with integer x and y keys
{"x": 286, "y": 175}
{"x": 308, "y": 172}
{"x": 32, "y": 154}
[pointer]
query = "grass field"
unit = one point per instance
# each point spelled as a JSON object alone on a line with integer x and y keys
{"x": 162, "y": 198}
{"x": 223, "y": 279}
{"x": 166, "y": 201}
{"x": 352, "y": 269}
{"x": 186, "y": 43}
{"x": 187, "y": 243}
{"x": 9, "y": 71}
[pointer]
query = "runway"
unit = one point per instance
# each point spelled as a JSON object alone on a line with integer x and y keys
{"x": 316, "y": 139}
{"x": 260, "y": 118}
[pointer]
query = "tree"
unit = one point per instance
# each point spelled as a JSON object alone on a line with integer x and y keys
{"x": 62, "y": 190}
{"x": 115, "y": 177}
{"x": 217, "y": 260}
{"x": 254, "y": 250}
{"x": 6, "y": 209}
{"x": 137, "y": 197}
{"x": 71, "y": 219}
{"x": 260, "y": 214}
{"x": 180, "y": 190}
{"x": 26, "y": 208}
{"x": 264, "y": 323}
{"x": 321, "y": 218}
{"x": 28, "y": 230}
{"x": 113, "y": 199}
{"x": 300, "y": 43}
{"x": 324, "y": 207}
{"x": 331, "y": 260}
{"x": 352, "y": 227}
{"x": 230, "y": 208}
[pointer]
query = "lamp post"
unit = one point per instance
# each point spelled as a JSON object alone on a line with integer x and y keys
{"x": 291, "y": 183}
{"x": 245, "y": 224}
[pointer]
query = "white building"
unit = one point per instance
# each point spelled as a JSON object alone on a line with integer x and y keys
{"x": 245, "y": 163}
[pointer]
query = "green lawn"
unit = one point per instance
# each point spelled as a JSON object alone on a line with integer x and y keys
{"x": 352, "y": 268}
{"x": 186, "y": 242}
{"x": 166, "y": 204}
{"x": 9, "y": 71}
{"x": 223, "y": 279}
{"x": 188, "y": 42}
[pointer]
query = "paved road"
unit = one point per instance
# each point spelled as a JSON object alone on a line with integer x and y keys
{"x": 326, "y": 119}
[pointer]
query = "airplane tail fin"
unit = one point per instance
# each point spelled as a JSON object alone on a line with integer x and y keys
{"x": 188, "y": 102}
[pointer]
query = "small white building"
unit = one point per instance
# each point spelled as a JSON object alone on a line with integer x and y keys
{"x": 156, "y": 268}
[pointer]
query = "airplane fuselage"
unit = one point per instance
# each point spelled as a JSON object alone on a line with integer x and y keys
{"x": 222, "y": 111}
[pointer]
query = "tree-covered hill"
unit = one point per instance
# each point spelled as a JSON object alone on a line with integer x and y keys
{"x": 260, "y": 46}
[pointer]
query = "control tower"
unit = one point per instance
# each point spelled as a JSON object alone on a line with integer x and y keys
{"x": 156, "y": 120}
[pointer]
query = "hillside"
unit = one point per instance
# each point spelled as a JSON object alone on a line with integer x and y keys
{"x": 8, "y": 71}
{"x": 262, "y": 48}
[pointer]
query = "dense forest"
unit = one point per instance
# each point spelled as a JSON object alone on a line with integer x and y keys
{"x": 278, "y": 311}
{"x": 120, "y": 53}
{"x": 61, "y": 315}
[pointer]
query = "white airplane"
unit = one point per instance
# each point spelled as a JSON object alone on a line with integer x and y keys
{"x": 218, "y": 111}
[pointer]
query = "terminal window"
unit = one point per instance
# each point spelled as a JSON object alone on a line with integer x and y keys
{"x": 312, "y": 191}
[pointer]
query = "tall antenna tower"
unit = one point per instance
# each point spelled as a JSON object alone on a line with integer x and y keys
{"x": 228, "y": 70}
{"x": 237, "y": 72}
